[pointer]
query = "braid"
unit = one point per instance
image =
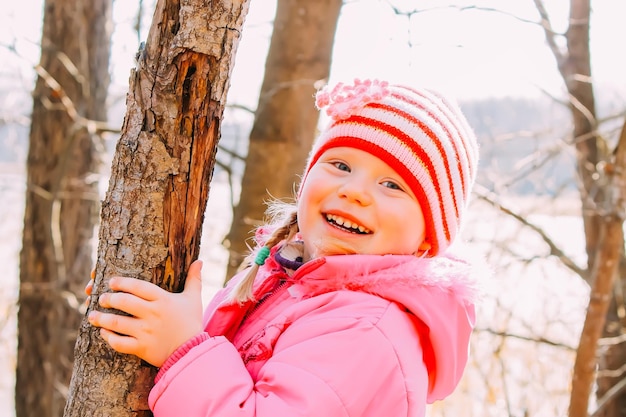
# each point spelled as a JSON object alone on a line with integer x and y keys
{"x": 242, "y": 291}
{"x": 285, "y": 232}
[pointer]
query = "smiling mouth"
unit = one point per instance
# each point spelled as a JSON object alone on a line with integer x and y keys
{"x": 347, "y": 225}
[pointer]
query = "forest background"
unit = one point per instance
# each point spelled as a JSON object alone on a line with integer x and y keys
{"x": 496, "y": 61}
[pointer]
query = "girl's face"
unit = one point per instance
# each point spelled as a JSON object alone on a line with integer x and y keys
{"x": 353, "y": 202}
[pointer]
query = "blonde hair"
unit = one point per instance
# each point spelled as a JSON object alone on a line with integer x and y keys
{"x": 284, "y": 225}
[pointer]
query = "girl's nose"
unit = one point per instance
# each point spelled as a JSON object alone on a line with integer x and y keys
{"x": 356, "y": 190}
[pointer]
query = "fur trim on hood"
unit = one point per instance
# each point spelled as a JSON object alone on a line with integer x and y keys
{"x": 382, "y": 275}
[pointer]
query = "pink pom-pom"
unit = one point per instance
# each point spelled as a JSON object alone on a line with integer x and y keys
{"x": 343, "y": 101}
{"x": 322, "y": 99}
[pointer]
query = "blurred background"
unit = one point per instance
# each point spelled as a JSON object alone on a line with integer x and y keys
{"x": 547, "y": 104}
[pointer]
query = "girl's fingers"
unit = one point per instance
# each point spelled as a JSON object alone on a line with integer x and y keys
{"x": 125, "y": 302}
{"x": 89, "y": 287}
{"x": 123, "y": 325}
{"x": 140, "y": 288}
{"x": 121, "y": 343}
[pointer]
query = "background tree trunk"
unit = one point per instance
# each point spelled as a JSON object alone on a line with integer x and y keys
{"x": 604, "y": 240}
{"x": 61, "y": 198}
{"x": 153, "y": 211}
{"x": 606, "y": 267}
{"x": 286, "y": 118}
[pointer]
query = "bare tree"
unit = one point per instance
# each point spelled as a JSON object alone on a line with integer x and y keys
{"x": 600, "y": 171}
{"x": 159, "y": 185}
{"x": 601, "y": 353}
{"x": 285, "y": 118}
{"x": 69, "y": 105}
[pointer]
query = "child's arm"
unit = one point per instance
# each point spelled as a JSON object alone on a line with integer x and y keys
{"x": 158, "y": 322}
{"x": 338, "y": 367}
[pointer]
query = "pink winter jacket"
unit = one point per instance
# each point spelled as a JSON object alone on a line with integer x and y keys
{"x": 347, "y": 336}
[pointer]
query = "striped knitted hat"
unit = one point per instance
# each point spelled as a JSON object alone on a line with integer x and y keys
{"x": 420, "y": 133}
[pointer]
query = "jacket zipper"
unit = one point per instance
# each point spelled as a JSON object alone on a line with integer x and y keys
{"x": 277, "y": 290}
{"x": 282, "y": 286}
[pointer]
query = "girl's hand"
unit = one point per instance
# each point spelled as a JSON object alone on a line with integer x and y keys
{"x": 89, "y": 286}
{"x": 88, "y": 290}
{"x": 159, "y": 322}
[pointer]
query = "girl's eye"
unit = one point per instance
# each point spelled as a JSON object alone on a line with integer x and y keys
{"x": 392, "y": 185}
{"x": 341, "y": 166}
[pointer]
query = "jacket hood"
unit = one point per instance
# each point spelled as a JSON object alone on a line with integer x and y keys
{"x": 440, "y": 291}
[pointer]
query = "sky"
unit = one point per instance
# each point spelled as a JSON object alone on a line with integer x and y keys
{"x": 471, "y": 53}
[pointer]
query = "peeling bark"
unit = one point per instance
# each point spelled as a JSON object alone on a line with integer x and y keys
{"x": 153, "y": 212}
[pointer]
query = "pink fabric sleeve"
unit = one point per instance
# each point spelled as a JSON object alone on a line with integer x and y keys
{"x": 328, "y": 366}
{"x": 209, "y": 380}
{"x": 180, "y": 352}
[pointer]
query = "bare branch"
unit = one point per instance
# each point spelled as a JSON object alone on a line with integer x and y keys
{"x": 536, "y": 160}
{"x": 92, "y": 126}
{"x": 550, "y": 33}
{"x": 241, "y": 107}
{"x": 73, "y": 71}
{"x": 611, "y": 373}
{"x": 538, "y": 340}
{"x": 466, "y": 8}
{"x": 487, "y": 196}
{"x": 137, "y": 27}
{"x": 609, "y": 396}
{"x": 575, "y": 102}
{"x": 230, "y": 153}
{"x": 545, "y": 92}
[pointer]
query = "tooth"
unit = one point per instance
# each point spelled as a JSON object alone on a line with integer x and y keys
{"x": 346, "y": 223}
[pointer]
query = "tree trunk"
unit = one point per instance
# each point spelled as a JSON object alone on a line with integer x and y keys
{"x": 609, "y": 253}
{"x": 152, "y": 215}
{"x": 610, "y": 260}
{"x": 286, "y": 117}
{"x": 61, "y": 198}
{"x": 601, "y": 199}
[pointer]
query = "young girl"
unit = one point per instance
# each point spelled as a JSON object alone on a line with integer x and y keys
{"x": 352, "y": 306}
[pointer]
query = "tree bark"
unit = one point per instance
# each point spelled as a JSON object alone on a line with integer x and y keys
{"x": 61, "y": 198}
{"x": 611, "y": 357}
{"x": 599, "y": 170}
{"x": 590, "y": 146}
{"x": 610, "y": 252}
{"x": 286, "y": 118}
{"x": 152, "y": 216}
